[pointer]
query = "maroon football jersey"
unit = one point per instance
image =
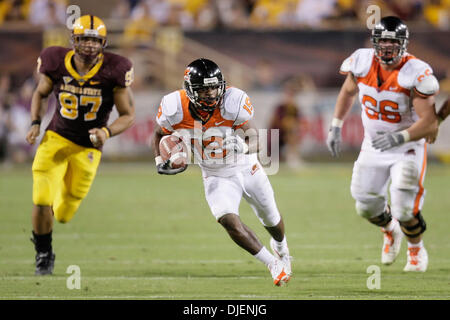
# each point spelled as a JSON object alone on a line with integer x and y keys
{"x": 83, "y": 102}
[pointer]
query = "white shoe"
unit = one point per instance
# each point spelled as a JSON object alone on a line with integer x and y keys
{"x": 392, "y": 243}
{"x": 283, "y": 256}
{"x": 278, "y": 272}
{"x": 417, "y": 259}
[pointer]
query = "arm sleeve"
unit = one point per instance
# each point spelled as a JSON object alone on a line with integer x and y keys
{"x": 425, "y": 84}
{"x": 162, "y": 120}
{"x": 124, "y": 72}
{"x": 49, "y": 61}
{"x": 245, "y": 112}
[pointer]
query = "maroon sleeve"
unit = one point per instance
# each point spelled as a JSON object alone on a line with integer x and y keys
{"x": 50, "y": 60}
{"x": 123, "y": 71}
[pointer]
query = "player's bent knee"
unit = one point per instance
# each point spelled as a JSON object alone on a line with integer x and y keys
{"x": 369, "y": 209}
{"x": 226, "y": 218}
{"x": 66, "y": 208}
{"x": 402, "y": 213}
{"x": 42, "y": 195}
{"x": 231, "y": 222}
{"x": 269, "y": 218}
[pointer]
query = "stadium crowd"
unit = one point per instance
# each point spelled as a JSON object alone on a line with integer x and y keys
{"x": 210, "y": 14}
{"x": 142, "y": 17}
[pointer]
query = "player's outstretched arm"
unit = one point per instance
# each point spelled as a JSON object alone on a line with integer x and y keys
{"x": 443, "y": 113}
{"x": 123, "y": 99}
{"x": 43, "y": 89}
{"x": 426, "y": 127}
{"x": 344, "y": 103}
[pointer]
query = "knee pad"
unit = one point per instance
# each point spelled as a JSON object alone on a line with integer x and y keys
{"x": 382, "y": 220}
{"x": 415, "y": 230}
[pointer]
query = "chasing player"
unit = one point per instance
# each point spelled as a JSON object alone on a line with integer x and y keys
{"x": 207, "y": 114}
{"x": 396, "y": 92}
{"x": 87, "y": 83}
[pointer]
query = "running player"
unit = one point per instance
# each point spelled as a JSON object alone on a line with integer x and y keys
{"x": 87, "y": 83}
{"x": 208, "y": 115}
{"x": 396, "y": 92}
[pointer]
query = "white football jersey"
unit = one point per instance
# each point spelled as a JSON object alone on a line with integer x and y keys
{"x": 205, "y": 139}
{"x": 386, "y": 106}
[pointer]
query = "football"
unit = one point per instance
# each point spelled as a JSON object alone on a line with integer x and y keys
{"x": 173, "y": 148}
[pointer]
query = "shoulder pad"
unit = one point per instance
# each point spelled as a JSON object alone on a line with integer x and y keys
{"x": 232, "y": 101}
{"x": 51, "y": 58}
{"x": 358, "y": 63}
{"x": 413, "y": 73}
{"x": 169, "y": 103}
{"x": 237, "y": 106}
{"x": 428, "y": 85}
{"x": 122, "y": 67}
{"x": 170, "y": 111}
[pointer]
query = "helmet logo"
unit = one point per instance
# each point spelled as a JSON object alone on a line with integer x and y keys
{"x": 388, "y": 34}
{"x": 91, "y": 32}
{"x": 186, "y": 74}
{"x": 212, "y": 80}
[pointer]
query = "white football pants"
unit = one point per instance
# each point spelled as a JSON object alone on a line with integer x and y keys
{"x": 372, "y": 173}
{"x": 224, "y": 194}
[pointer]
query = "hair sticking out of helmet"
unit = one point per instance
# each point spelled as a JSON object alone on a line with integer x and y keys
{"x": 88, "y": 37}
{"x": 204, "y": 84}
{"x": 390, "y": 39}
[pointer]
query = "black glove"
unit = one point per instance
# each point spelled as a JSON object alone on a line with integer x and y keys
{"x": 164, "y": 168}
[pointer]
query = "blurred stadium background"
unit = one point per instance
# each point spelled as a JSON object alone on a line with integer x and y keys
{"x": 286, "y": 54}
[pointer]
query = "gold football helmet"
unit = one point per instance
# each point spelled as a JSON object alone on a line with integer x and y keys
{"x": 85, "y": 28}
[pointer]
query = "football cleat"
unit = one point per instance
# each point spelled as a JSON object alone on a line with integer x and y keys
{"x": 282, "y": 255}
{"x": 392, "y": 243}
{"x": 278, "y": 272}
{"x": 417, "y": 259}
{"x": 45, "y": 262}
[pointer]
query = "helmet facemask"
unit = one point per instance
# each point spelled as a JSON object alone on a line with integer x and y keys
{"x": 390, "y": 39}
{"x": 88, "y": 48}
{"x": 389, "y": 51}
{"x": 88, "y": 38}
{"x": 205, "y": 97}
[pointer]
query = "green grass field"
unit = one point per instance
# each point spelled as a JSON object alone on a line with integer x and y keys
{"x": 139, "y": 235}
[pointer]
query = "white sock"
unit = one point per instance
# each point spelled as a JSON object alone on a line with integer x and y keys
{"x": 265, "y": 256}
{"x": 390, "y": 225}
{"x": 281, "y": 246}
{"x": 415, "y": 245}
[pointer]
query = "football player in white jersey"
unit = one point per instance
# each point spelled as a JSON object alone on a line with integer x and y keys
{"x": 396, "y": 93}
{"x": 208, "y": 115}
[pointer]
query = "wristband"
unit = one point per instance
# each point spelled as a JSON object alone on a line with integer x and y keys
{"x": 405, "y": 135}
{"x": 158, "y": 160}
{"x": 337, "y": 123}
{"x": 34, "y": 122}
{"x": 107, "y": 131}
